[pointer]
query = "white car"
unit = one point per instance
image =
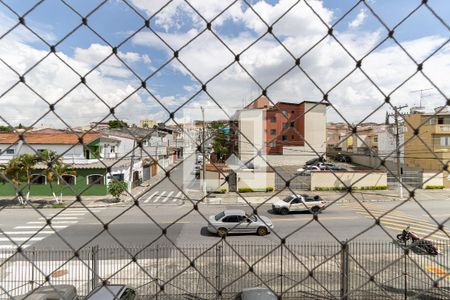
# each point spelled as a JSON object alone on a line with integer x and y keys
{"x": 307, "y": 170}
{"x": 299, "y": 203}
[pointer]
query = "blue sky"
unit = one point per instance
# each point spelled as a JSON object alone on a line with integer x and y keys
{"x": 144, "y": 52}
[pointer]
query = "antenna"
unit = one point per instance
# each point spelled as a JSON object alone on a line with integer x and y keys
{"x": 421, "y": 94}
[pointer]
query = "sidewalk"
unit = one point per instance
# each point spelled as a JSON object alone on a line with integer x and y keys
{"x": 362, "y": 196}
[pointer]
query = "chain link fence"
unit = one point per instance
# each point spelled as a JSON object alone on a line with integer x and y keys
{"x": 330, "y": 270}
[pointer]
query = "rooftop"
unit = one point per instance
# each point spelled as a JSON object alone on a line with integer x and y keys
{"x": 48, "y": 138}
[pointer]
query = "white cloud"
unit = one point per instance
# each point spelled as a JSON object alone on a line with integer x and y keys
{"x": 357, "y": 22}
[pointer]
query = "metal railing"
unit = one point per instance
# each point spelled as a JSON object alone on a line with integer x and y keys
{"x": 325, "y": 270}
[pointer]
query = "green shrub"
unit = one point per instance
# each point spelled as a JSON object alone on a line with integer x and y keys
{"x": 58, "y": 205}
{"x": 116, "y": 188}
{"x": 355, "y": 188}
{"x": 220, "y": 191}
{"x": 269, "y": 189}
{"x": 245, "y": 190}
{"x": 434, "y": 187}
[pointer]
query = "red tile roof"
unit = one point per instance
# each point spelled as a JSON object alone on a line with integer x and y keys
{"x": 48, "y": 138}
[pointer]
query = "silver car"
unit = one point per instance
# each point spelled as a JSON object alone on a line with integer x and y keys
{"x": 237, "y": 221}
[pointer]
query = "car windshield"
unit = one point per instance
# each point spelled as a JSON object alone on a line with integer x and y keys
{"x": 287, "y": 199}
{"x": 219, "y": 216}
{"x": 252, "y": 218}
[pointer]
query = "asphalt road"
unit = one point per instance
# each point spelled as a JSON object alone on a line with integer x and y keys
{"x": 140, "y": 226}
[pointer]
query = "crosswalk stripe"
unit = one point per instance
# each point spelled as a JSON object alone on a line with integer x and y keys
{"x": 393, "y": 215}
{"x": 28, "y": 232}
{"x": 53, "y": 222}
{"x": 22, "y": 239}
{"x": 34, "y": 227}
{"x": 149, "y": 198}
{"x": 177, "y": 197}
{"x": 168, "y": 196}
{"x": 10, "y": 246}
{"x": 159, "y": 196}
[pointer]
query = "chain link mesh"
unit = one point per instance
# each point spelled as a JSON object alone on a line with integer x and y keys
{"x": 298, "y": 63}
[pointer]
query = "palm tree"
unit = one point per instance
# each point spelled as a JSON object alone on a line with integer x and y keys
{"x": 56, "y": 168}
{"x": 19, "y": 170}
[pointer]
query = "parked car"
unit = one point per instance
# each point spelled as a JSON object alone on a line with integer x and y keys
{"x": 332, "y": 167}
{"x": 237, "y": 221}
{"x": 298, "y": 203}
{"x": 343, "y": 158}
{"x": 258, "y": 293}
{"x": 315, "y": 161}
{"x": 112, "y": 292}
{"x": 307, "y": 170}
{"x": 51, "y": 292}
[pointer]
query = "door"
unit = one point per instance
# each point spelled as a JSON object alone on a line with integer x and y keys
{"x": 146, "y": 173}
{"x": 296, "y": 205}
{"x": 154, "y": 169}
{"x": 231, "y": 223}
{"x": 232, "y": 181}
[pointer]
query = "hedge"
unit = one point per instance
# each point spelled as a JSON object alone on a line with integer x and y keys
{"x": 354, "y": 188}
{"x": 434, "y": 187}
{"x": 247, "y": 190}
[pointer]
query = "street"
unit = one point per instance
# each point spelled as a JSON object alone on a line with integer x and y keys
{"x": 141, "y": 226}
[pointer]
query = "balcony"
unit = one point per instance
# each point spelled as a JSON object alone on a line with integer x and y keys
{"x": 442, "y": 128}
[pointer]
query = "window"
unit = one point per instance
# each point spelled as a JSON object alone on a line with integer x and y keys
{"x": 285, "y": 125}
{"x": 273, "y": 131}
{"x": 129, "y": 294}
{"x": 68, "y": 180}
{"x": 9, "y": 151}
{"x": 38, "y": 179}
{"x": 112, "y": 149}
{"x": 292, "y": 137}
{"x": 445, "y": 140}
{"x": 293, "y": 124}
{"x": 273, "y": 144}
{"x": 375, "y": 139}
{"x": 219, "y": 216}
{"x": 118, "y": 177}
{"x": 273, "y": 119}
{"x": 231, "y": 219}
{"x": 95, "y": 179}
{"x": 440, "y": 120}
{"x": 284, "y": 138}
{"x": 295, "y": 201}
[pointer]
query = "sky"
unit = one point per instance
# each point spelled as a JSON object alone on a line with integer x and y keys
{"x": 207, "y": 57}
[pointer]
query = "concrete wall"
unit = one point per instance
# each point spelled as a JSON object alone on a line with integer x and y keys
{"x": 215, "y": 181}
{"x": 329, "y": 180}
{"x": 252, "y": 126}
{"x": 71, "y": 152}
{"x": 255, "y": 180}
{"x": 315, "y": 128}
{"x": 436, "y": 180}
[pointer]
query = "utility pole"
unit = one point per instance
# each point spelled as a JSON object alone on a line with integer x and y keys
{"x": 203, "y": 150}
{"x": 396, "y": 116}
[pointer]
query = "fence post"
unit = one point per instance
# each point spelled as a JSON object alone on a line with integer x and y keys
{"x": 33, "y": 260}
{"x": 157, "y": 273}
{"x": 281, "y": 271}
{"x": 219, "y": 256}
{"x": 405, "y": 273}
{"x": 94, "y": 267}
{"x": 344, "y": 271}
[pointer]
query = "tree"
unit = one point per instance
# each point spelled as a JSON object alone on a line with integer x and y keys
{"x": 19, "y": 170}
{"x": 56, "y": 168}
{"x": 6, "y": 129}
{"x": 117, "y": 124}
{"x": 116, "y": 188}
{"x": 221, "y": 140}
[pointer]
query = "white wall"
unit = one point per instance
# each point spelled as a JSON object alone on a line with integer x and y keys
{"x": 387, "y": 145}
{"x": 72, "y": 153}
{"x": 252, "y": 126}
{"x": 316, "y": 127}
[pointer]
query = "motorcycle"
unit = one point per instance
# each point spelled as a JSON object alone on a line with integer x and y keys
{"x": 424, "y": 245}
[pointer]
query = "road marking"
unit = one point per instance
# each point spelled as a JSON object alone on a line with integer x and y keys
{"x": 149, "y": 198}
{"x": 438, "y": 271}
{"x": 168, "y": 196}
{"x": 159, "y": 196}
{"x": 22, "y": 239}
{"x": 320, "y": 219}
{"x": 12, "y": 247}
{"x": 61, "y": 218}
{"x": 53, "y": 222}
{"x": 39, "y": 227}
{"x": 177, "y": 197}
{"x": 28, "y": 232}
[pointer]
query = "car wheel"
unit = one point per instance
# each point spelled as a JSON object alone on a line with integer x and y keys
{"x": 262, "y": 231}
{"x": 222, "y": 232}
{"x": 315, "y": 209}
{"x": 284, "y": 211}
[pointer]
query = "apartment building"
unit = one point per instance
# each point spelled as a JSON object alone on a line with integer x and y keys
{"x": 433, "y": 148}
